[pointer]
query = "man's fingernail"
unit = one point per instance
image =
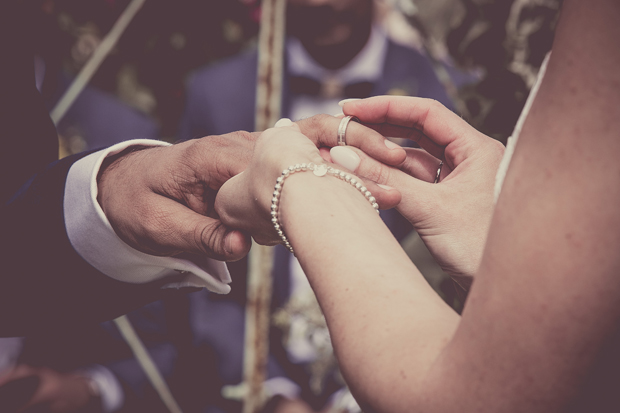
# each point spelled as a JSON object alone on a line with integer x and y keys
{"x": 283, "y": 123}
{"x": 343, "y": 101}
{"x": 385, "y": 186}
{"x": 229, "y": 241}
{"x": 344, "y": 156}
{"x": 391, "y": 144}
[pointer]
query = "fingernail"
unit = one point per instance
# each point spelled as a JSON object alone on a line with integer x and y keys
{"x": 344, "y": 156}
{"x": 385, "y": 186}
{"x": 283, "y": 123}
{"x": 391, "y": 144}
{"x": 229, "y": 241}
{"x": 343, "y": 101}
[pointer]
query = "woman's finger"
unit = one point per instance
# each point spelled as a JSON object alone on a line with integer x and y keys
{"x": 414, "y": 135}
{"x": 323, "y": 131}
{"x": 429, "y": 117}
{"x": 423, "y": 166}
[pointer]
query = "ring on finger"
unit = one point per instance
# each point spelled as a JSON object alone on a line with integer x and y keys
{"x": 438, "y": 172}
{"x": 342, "y": 129}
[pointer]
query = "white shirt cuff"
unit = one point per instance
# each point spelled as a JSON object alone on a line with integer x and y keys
{"x": 108, "y": 387}
{"x": 94, "y": 239}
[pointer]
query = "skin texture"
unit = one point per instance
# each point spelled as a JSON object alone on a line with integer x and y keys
{"x": 160, "y": 200}
{"x": 539, "y": 332}
{"x": 471, "y": 159}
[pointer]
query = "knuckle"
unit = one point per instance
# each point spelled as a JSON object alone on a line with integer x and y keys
{"x": 208, "y": 238}
{"x": 495, "y": 149}
{"x": 378, "y": 173}
{"x": 434, "y": 104}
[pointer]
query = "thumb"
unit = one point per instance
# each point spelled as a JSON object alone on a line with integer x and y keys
{"x": 177, "y": 229}
{"x": 220, "y": 242}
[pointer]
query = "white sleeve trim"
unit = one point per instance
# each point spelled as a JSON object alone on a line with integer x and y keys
{"x": 94, "y": 239}
{"x": 110, "y": 390}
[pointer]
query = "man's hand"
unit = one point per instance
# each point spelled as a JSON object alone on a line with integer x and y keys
{"x": 160, "y": 200}
{"x": 453, "y": 216}
{"x": 56, "y": 392}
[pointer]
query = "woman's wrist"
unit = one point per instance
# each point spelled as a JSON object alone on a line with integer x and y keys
{"x": 320, "y": 171}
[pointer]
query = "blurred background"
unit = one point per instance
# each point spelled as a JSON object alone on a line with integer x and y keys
{"x": 500, "y": 43}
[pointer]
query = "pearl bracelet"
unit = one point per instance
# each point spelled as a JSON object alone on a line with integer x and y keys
{"x": 318, "y": 170}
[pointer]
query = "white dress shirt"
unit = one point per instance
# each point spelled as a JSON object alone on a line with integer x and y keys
{"x": 92, "y": 236}
{"x": 366, "y": 66}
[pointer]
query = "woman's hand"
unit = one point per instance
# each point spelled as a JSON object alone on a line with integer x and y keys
{"x": 244, "y": 202}
{"x": 453, "y": 216}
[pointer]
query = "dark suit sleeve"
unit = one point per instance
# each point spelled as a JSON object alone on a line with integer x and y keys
{"x": 43, "y": 281}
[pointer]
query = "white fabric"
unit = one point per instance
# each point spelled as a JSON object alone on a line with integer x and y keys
{"x": 10, "y": 349}
{"x": 281, "y": 386}
{"x": 92, "y": 236}
{"x": 110, "y": 390}
{"x": 367, "y": 66}
{"x": 511, "y": 144}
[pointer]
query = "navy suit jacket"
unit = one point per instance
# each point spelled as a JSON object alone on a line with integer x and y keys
{"x": 221, "y": 98}
{"x": 44, "y": 283}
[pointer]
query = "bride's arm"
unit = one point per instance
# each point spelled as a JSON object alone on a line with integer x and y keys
{"x": 547, "y": 298}
{"x": 381, "y": 312}
{"x": 546, "y": 302}
{"x": 386, "y": 322}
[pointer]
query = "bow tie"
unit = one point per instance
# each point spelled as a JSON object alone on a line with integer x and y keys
{"x": 329, "y": 89}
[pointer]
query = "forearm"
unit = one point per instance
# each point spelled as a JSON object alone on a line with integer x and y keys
{"x": 387, "y": 324}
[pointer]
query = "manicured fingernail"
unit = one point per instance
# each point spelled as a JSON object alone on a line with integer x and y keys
{"x": 391, "y": 144}
{"x": 344, "y": 156}
{"x": 343, "y": 101}
{"x": 385, "y": 186}
{"x": 283, "y": 123}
